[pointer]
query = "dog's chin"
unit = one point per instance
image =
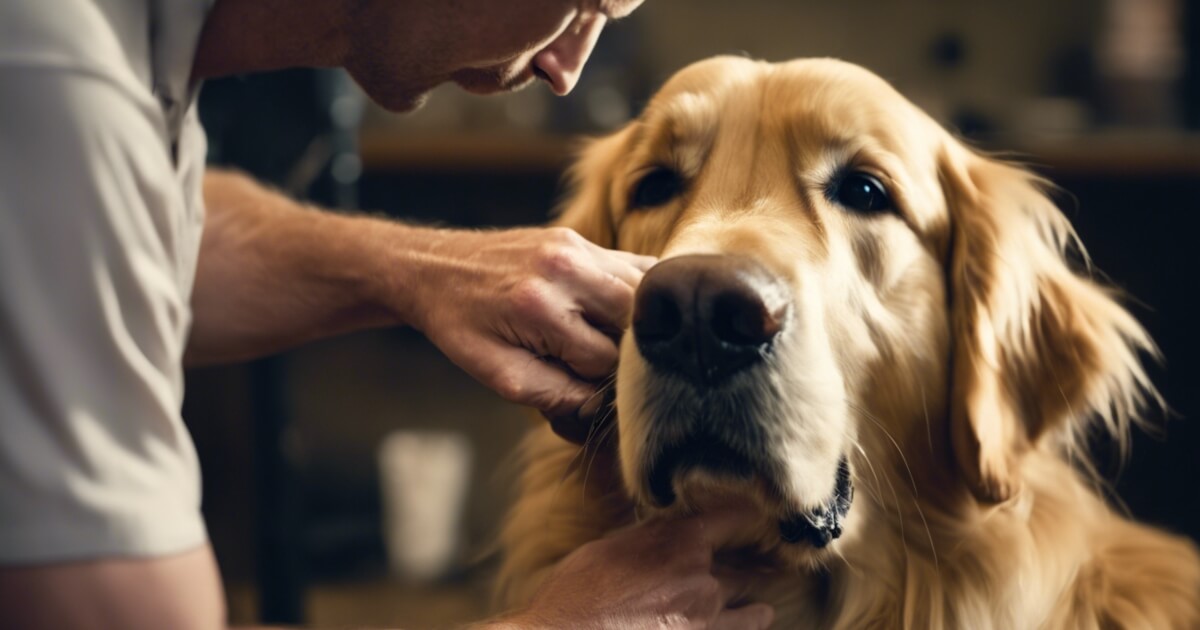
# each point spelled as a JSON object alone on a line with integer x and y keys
{"x": 771, "y": 533}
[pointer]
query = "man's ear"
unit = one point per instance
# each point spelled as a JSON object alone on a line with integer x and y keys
{"x": 588, "y": 205}
{"x": 1040, "y": 351}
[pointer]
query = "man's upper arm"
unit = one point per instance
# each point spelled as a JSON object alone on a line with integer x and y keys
{"x": 95, "y": 461}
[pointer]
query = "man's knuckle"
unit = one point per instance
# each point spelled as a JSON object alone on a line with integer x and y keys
{"x": 557, "y": 260}
{"x": 529, "y": 297}
{"x": 510, "y": 384}
{"x": 564, "y": 235}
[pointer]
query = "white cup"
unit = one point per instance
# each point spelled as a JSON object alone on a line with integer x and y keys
{"x": 424, "y": 476}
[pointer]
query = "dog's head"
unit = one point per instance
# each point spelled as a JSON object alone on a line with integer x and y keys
{"x": 843, "y": 286}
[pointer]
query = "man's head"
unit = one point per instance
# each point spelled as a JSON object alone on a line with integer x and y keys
{"x": 399, "y": 51}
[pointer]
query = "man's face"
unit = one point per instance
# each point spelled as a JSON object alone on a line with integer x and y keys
{"x": 399, "y": 51}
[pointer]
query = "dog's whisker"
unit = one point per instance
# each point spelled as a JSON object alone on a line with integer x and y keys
{"x": 849, "y": 565}
{"x": 577, "y": 459}
{"x": 571, "y": 464}
{"x": 877, "y": 488}
{"x": 605, "y": 432}
{"x": 570, "y": 467}
{"x": 595, "y": 448}
{"x": 928, "y": 422}
{"x": 899, "y": 512}
{"x": 601, "y": 390}
{"x": 896, "y": 445}
{"x": 912, "y": 480}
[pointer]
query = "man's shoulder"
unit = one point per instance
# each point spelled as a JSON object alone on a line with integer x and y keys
{"x": 105, "y": 38}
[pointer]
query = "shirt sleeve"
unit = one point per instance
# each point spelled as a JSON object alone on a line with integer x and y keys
{"x": 94, "y": 458}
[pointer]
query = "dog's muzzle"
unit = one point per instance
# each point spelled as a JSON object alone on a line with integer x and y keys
{"x": 702, "y": 320}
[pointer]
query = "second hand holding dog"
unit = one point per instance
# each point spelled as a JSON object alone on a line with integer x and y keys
{"x": 659, "y": 573}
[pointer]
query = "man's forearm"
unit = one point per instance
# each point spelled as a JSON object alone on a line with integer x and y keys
{"x": 273, "y": 273}
{"x": 181, "y": 590}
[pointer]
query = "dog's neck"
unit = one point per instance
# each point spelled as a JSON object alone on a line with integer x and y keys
{"x": 912, "y": 546}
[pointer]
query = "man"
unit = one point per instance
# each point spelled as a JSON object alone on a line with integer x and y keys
{"x": 106, "y": 288}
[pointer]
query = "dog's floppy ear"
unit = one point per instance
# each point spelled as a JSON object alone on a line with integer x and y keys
{"x": 587, "y": 208}
{"x": 1040, "y": 351}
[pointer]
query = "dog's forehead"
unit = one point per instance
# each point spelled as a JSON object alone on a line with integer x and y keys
{"x": 815, "y": 101}
{"x": 808, "y": 118}
{"x": 711, "y": 76}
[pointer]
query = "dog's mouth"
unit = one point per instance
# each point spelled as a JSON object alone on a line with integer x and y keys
{"x": 816, "y": 526}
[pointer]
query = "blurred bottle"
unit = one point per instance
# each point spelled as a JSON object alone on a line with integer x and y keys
{"x": 1140, "y": 62}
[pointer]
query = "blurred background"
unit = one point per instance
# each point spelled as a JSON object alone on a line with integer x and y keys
{"x": 313, "y": 505}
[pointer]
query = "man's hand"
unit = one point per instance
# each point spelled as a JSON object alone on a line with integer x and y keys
{"x": 656, "y": 575}
{"x": 534, "y": 314}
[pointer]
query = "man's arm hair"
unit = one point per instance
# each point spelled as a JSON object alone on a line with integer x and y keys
{"x": 274, "y": 273}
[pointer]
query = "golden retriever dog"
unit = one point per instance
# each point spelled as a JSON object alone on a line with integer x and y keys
{"x": 883, "y": 346}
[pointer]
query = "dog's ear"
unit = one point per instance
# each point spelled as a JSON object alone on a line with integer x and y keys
{"x": 1040, "y": 351}
{"x": 587, "y": 208}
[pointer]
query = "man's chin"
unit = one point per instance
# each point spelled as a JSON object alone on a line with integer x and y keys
{"x": 391, "y": 96}
{"x": 402, "y": 104}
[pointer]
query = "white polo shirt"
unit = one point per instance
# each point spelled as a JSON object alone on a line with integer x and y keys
{"x": 101, "y": 164}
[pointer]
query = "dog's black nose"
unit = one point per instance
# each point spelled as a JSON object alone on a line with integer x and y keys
{"x": 706, "y": 317}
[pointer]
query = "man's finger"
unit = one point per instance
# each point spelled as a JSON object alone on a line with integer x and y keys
{"x": 585, "y": 350}
{"x": 521, "y": 377}
{"x": 607, "y": 301}
{"x": 627, "y": 266}
{"x": 748, "y": 617}
{"x": 638, "y": 261}
{"x": 643, "y": 263}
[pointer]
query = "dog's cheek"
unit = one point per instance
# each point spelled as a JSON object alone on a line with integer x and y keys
{"x": 633, "y": 423}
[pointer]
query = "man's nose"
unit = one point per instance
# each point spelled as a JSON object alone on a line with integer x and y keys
{"x": 561, "y": 62}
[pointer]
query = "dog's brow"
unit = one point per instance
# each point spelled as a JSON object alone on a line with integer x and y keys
{"x": 691, "y": 115}
{"x": 685, "y": 126}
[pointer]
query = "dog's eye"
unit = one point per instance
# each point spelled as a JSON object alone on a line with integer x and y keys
{"x": 860, "y": 192}
{"x": 656, "y": 188}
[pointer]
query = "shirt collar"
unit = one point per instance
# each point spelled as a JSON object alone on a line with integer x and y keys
{"x": 175, "y": 27}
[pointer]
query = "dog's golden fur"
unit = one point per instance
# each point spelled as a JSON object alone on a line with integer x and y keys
{"x": 959, "y": 361}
